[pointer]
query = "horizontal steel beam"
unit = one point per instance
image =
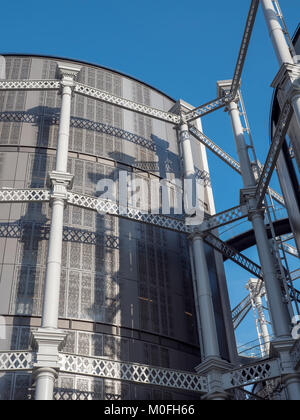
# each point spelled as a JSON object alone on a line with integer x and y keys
{"x": 207, "y": 108}
{"x": 224, "y": 218}
{"x": 93, "y": 93}
{"x": 101, "y": 95}
{"x": 132, "y": 372}
{"x": 30, "y": 85}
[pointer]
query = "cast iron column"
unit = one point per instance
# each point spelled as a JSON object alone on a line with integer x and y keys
{"x": 48, "y": 339}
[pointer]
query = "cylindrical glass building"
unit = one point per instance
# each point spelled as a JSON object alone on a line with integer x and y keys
{"x": 126, "y": 288}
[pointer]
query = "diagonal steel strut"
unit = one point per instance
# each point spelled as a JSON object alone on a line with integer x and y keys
{"x": 277, "y": 141}
{"x": 227, "y": 158}
{"x": 244, "y": 47}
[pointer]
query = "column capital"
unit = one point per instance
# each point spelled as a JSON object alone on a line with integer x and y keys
{"x": 68, "y": 71}
{"x": 68, "y": 74}
{"x": 281, "y": 348}
{"x": 224, "y": 89}
{"x": 47, "y": 343}
{"x": 288, "y": 80}
{"x": 60, "y": 183}
{"x": 247, "y": 194}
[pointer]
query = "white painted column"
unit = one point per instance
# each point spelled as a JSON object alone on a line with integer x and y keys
{"x": 277, "y": 307}
{"x": 256, "y": 298}
{"x": 207, "y": 314}
{"x": 278, "y": 310}
{"x": 280, "y": 46}
{"x": 276, "y": 33}
{"x": 187, "y": 154}
{"x": 48, "y": 339}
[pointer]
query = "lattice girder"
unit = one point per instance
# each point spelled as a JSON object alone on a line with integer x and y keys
{"x": 251, "y": 374}
{"x": 223, "y": 218}
{"x": 126, "y": 103}
{"x": 277, "y": 141}
{"x": 15, "y": 361}
{"x": 29, "y": 84}
{"x": 99, "y": 367}
{"x": 8, "y": 195}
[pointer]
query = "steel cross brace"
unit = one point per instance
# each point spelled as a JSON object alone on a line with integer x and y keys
{"x": 221, "y": 102}
{"x": 223, "y": 218}
{"x": 227, "y": 158}
{"x": 244, "y": 47}
{"x": 233, "y": 254}
{"x": 240, "y": 311}
{"x": 276, "y": 145}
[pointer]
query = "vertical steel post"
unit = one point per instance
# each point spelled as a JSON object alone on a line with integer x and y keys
{"x": 277, "y": 307}
{"x": 282, "y": 342}
{"x": 212, "y": 365}
{"x": 281, "y": 47}
{"x": 48, "y": 339}
{"x": 207, "y": 317}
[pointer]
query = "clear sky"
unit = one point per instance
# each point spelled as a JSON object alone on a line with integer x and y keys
{"x": 181, "y": 48}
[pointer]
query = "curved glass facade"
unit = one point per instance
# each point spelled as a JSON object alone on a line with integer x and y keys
{"x": 126, "y": 289}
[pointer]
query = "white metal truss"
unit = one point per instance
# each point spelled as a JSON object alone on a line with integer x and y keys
{"x": 223, "y": 218}
{"x": 30, "y": 84}
{"x": 290, "y": 249}
{"x": 208, "y": 108}
{"x": 109, "y": 207}
{"x": 277, "y": 141}
{"x": 231, "y": 253}
{"x": 244, "y": 47}
{"x": 15, "y": 361}
{"x": 252, "y": 374}
{"x": 221, "y": 102}
{"x": 241, "y": 311}
{"x": 148, "y": 375}
{"x": 10, "y": 195}
{"x": 213, "y": 147}
{"x": 126, "y": 103}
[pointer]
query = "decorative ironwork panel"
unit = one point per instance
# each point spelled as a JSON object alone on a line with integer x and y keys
{"x": 225, "y": 217}
{"x": 10, "y": 361}
{"x": 61, "y": 394}
{"x": 99, "y": 367}
{"x": 22, "y": 196}
{"x": 126, "y": 103}
{"x": 251, "y": 374}
{"x": 234, "y": 255}
{"x": 279, "y": 136}
{"x": 108, "y": 207}
{"x": 29, "y": 84}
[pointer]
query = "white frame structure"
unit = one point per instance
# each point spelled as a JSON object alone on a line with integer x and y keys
{"x": 215, "y": 378}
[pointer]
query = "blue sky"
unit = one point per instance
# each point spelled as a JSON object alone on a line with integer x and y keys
{"x": 182, "y": 48}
